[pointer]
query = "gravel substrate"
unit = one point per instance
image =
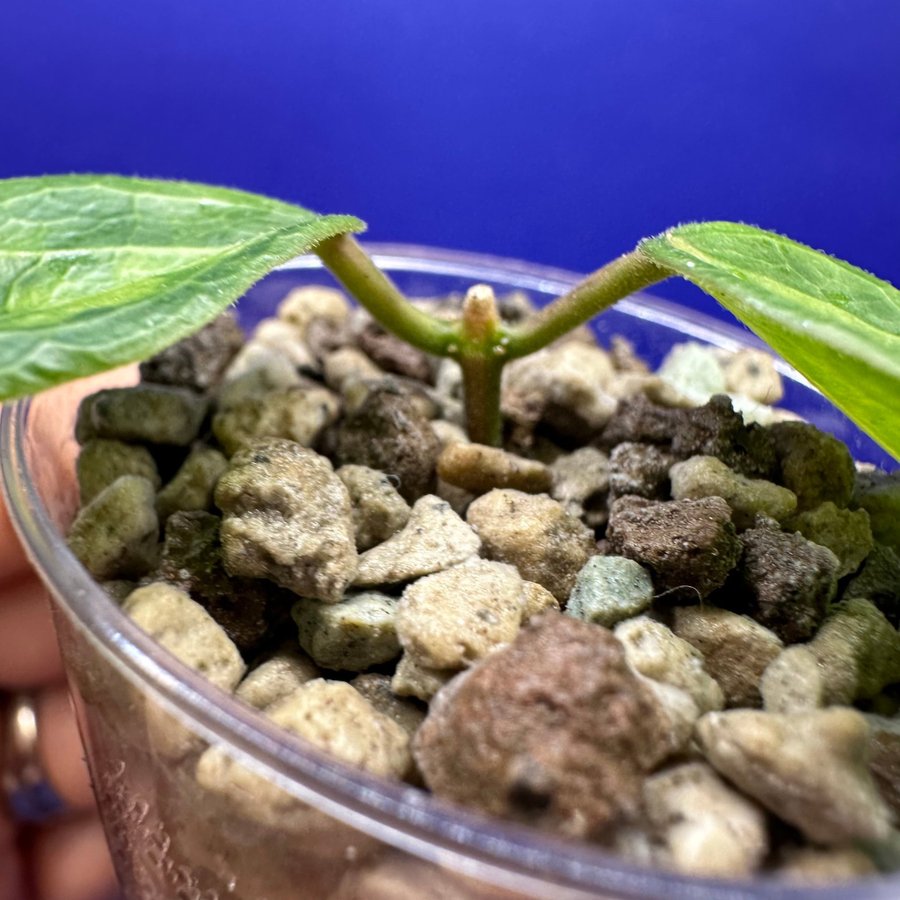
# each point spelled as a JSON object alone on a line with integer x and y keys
{"x": 648, "y": 621}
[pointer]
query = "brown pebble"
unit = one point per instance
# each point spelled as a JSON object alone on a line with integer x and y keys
{"x": 688, "y": 545}
{"x": 554, "y": 730}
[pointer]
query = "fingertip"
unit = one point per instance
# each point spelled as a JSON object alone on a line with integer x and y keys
{"x": 61, "y": 750}
{"x": 13, "y": 561}
{"x": 70, "y": 861}
{"x": 29, "y": 653}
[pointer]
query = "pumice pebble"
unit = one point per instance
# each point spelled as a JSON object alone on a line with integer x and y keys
{"x": 353, "y": 635}
{"x": 433, "y": 539}
{"x": 378, "y": 510}
{"x": 451, "y": 619}
{"x": 286, "y": 516}
{"x": 115, "y": 535}
{"x": 768, "y": 756}
{"x": 572, "y": 763}
{"x": 534, "y": 533}
{"x": 609, "y": 589}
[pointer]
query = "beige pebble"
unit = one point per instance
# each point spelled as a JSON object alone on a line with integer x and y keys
{"x": 656, "y": 652}
{"x": 693, "y": 370}
{"x": 347, "y": 365}
{"x": 458, "y": 498}
{"x": 634, "y": 844}
{"x": 187, "y": 631}
{"x": 707, "y": 827}
{"x": 281, "y": 337}
{"x": 792, "y": 682}
{"x": 286, "y": 517}
{"x": 451, "y": 619}
{"x": 448, "y": 379}
{"x": 254, "y": 372}
{"x": 768, "y": 756}
{"x": 299, "y": 414}
{"x": 536, "y": 599}
{"x": 396, "y": 876}
{"x": 276, "y": 677}
{"x": 335, "y": 717}
{"x": 752, "y": 373}
{"x": 478, "y": 469}
{"x": 624, "y": 356}
{"x": 563, "y": 385}
{"x": 303, "y": 304}
{"x": 184, "y": 628}
{"x": 448, "y": 433}
{"x": 412, "y": 680}
{"x": 826, "y": 868}
{"x": 679, "y": 712}
{"x": 579, "y": 478}
{"x": 626, "y": 385}
{"x": 534, "y": 533}
{"x": 332, "y": 716}
{"x": 433, "y": 539}
{"x": 376, "y": 688}
{"x": 378, "y": 510}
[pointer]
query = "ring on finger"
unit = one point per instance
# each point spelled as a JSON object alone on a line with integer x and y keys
{"x": 28, "y": 792}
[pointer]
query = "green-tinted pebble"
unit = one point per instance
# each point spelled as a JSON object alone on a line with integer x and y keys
{"x": 609, "y": 589}
{"x": 352, "y": 635}
{"x": 194, "y": 483}
{"x": 115, "y": 535}
{"x": 102, "y": 461}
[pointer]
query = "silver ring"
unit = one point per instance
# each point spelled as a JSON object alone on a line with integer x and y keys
{"x": 28, "y": 792}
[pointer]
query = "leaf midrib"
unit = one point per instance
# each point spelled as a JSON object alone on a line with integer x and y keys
{"x": 248, "y": 201}
{"x": 209, "y": 259}
{"x": 149, "y": 249}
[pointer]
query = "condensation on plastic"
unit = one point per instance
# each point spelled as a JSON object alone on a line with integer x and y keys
{"x": 296, "y": 823}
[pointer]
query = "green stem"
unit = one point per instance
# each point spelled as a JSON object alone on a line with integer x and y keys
{"x": 481, "y": 389}
{"x": 602, "y": 289}
{"x": 479, "y": 341}
{"x": 481, "y": 354}
{"x": 353, "y": 268}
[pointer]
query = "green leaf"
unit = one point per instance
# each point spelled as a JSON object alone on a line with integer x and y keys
{"x": 98, "y": 271}
{"x": 835, "y": 323}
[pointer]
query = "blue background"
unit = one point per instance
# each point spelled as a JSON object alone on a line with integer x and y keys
{"x": 557, "y": 131}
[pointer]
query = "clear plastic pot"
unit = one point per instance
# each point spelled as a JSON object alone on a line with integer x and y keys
{"x": 304, "y": 825}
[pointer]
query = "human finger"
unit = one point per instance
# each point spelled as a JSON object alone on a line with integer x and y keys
{"x": 12, "y": 886}
{"x": 29, "y": 655}
{"x": 60, "y": 749}
{"x": 12, "y": 875}
{"x": 13, "y": 562}
{"x": 70, "y": 861}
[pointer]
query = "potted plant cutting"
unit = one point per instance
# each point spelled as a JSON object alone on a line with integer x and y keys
{"x": 91, "y": 257}
{"x": 835, "y": 323}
